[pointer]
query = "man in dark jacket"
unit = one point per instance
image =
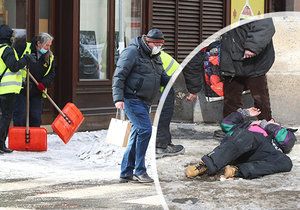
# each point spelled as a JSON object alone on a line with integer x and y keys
{"x": 10, "y": 82}
{"x": 247, "y": 54}
{"x": 43, "y": 71}
{"x": 136, "y": 83}
{"x": 253, "y": 149}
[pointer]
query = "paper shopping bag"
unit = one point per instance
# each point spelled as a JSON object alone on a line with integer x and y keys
{"x": 118, "y": 132}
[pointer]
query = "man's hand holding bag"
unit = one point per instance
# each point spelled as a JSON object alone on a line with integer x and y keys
{"x": 118, "y": 130}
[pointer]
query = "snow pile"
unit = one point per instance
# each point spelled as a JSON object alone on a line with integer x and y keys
{"x": 86, "y": 155}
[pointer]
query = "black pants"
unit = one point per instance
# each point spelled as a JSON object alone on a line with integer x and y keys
{"x": 35, "y": 111}
{"x": 7, "y": 102}
{"x": 163, "y": 137}
{"x": 252, "y": 153}
{"x": 258, "y": 86}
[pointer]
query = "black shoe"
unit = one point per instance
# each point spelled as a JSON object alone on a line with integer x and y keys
{"x": 144, "y": 178}
{"x": 171, "y": 150}
{"x": 1, "y": 152}
{"x": 126, "y": 179}
{"x": 4, "y": 149}
{"x": 219, "y": 135}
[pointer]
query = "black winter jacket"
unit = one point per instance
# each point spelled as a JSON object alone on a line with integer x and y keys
{"x": 138, "y": 74}
{"x": 193, "y": 73}
{"x": 38, "y": 69}
{"x": 254, "y": 36}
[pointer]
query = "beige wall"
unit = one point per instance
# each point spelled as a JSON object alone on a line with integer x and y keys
{"x": 284, "y": 76}
{"x": 297, "y": 5}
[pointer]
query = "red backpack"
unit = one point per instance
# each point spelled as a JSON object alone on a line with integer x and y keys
{"x": 211, "y": 67}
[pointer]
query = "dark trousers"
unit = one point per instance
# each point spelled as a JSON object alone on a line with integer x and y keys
{"x": 7, "y": 102}
{"x": 163, "y": 137}
{"x": 35, "y": 111}
{"x": 252, "y": 153}
{"x": 258, "y": 86}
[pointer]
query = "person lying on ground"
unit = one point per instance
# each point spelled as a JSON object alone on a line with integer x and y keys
{"x": 250, "y": 149}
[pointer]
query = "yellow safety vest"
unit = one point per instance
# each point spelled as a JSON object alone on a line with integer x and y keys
{"x": 170, "y": 65}
{"x": 28, "y": 50}
{"x": 11, "y": 82}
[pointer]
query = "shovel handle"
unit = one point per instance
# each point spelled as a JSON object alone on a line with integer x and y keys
{"x": 50, "y": 99}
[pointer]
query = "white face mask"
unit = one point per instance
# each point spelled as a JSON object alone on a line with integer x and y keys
{"x": 156, "y": 50}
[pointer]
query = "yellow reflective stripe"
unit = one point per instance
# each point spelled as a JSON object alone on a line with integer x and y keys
{"x": 10, "y": 83}
{"x": 170, "y": 66}
{"x": 49, "y": 68}
{"x": 27, "y": 49}
{"x": 11, "y": 73}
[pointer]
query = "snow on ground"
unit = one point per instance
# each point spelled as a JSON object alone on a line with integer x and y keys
{"x": 86, "y": 156}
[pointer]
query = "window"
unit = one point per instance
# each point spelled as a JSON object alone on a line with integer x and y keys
{"x": 128, "y": 23}
{"x": 13, "y": 13}
{"x": 44, "y": 16}
{"x": 93, "y": 40}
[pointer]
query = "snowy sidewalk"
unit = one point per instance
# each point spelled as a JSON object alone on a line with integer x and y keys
{"x": 278, "y": 191}
{"x": 82, "y": 174}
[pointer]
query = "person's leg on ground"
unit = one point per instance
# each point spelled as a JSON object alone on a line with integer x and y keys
{"x": 266, "y": 160}
{"x": 234, "y": 147}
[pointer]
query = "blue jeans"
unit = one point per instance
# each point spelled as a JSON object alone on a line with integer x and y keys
{"x": 35, "y": 111}
{"x": 134, "y": 157}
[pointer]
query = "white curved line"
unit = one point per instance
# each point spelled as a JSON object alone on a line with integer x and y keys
{"x": 179, "y": 70}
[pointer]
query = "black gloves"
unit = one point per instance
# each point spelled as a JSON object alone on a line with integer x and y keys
{"x": 30, "y": 58}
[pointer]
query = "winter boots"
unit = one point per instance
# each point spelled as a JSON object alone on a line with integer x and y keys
{"x": 230, "y": 171}
{"x": 195, "y": 170}
{"x": 170, "y": 150}
{"x": 4, "y": 149}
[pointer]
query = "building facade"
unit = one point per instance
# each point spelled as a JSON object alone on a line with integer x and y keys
{"x": 90, "y": 35}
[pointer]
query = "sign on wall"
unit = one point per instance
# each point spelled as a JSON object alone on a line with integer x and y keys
{"x": 243, "y": 9}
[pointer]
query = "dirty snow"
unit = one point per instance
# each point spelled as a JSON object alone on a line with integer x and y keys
{"x": 278, "y": 191}
{"x": 87, "y": 155}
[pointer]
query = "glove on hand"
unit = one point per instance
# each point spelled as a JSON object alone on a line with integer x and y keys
{"x": 30, "y": 58}
{"x": 41, "y": 87}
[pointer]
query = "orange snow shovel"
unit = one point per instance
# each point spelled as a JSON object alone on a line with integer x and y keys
{"x": 68, "y": 120}
{"x": 27, "y": 138}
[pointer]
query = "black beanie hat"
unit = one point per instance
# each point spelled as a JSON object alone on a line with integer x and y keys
{"x": 155, "y": 34}
{"x": 5, "y": 32}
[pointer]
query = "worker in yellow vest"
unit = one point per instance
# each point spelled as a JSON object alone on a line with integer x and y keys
{"x": 10, "y": 81}
{"x": 164, "y": 146}
{"x": 43, "y": 71}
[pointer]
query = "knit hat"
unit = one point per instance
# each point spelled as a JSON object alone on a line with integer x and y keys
{"x": 5, "y": 32}
{"x": 155, "y": 35}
